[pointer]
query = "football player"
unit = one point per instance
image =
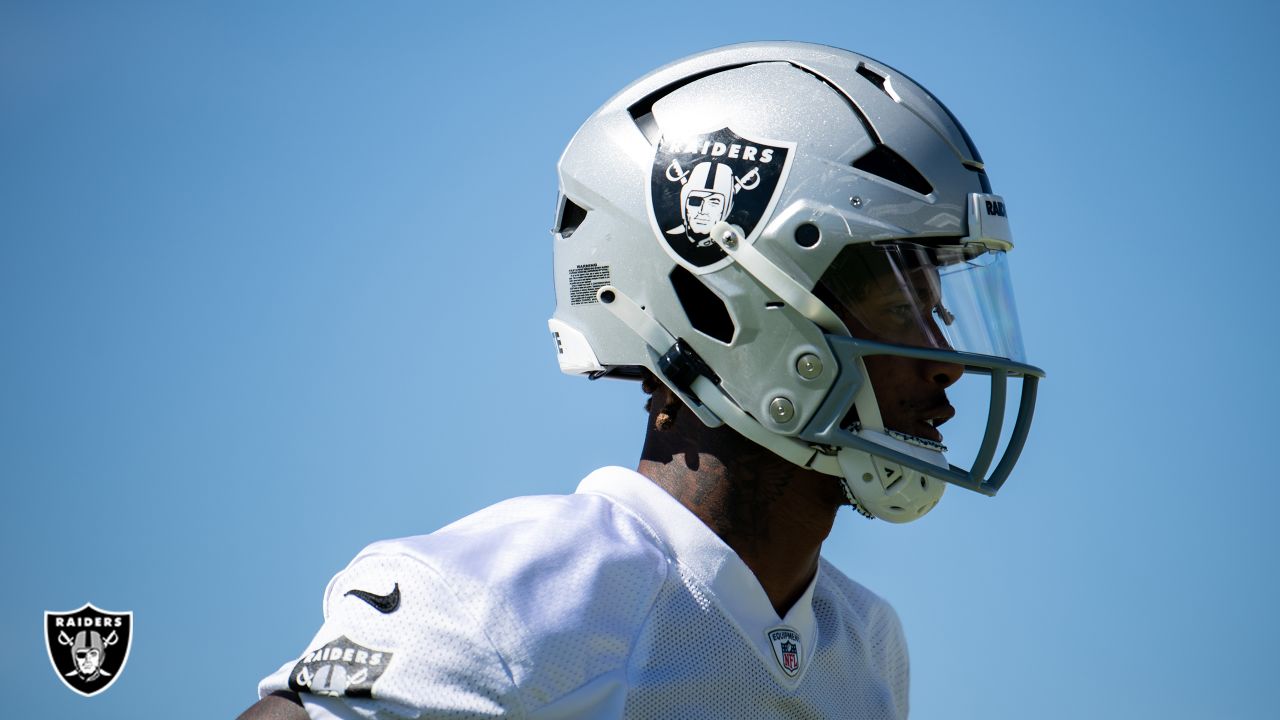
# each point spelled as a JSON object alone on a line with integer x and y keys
{"x": 799, "y": 361}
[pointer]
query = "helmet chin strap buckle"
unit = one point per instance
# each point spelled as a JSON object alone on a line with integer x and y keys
{"x": 682, "y": 366}
{"x": 655, "y": 336}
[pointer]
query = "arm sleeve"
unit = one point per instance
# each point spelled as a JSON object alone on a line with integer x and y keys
{"x": 424, "y": 657}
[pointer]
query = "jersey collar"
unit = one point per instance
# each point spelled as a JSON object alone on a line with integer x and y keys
{"x": 690, "y": 543}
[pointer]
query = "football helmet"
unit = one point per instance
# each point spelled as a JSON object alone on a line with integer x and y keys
{"x": 88, "y": 650}
{"x": 771, "y": 229}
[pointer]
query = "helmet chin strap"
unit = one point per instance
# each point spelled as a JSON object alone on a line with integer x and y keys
{"x": 772, "y": 278}
{"x": 873, "y": 486}
{"x": 874, "y": 489}
{"x": 707, "y": 397}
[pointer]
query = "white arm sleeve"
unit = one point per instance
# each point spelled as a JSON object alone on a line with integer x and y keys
{"x": 427, "y": 657}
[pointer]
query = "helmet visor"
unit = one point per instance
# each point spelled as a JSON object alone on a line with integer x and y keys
{"x": 946, "y": 297}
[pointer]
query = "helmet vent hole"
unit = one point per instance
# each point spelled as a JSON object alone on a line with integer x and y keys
{"x": 649, "y": 128}
{"x": 924, "y": 483}
{"x": 707, "y": 313}
{"x": 879, "y": 81}
{"x": 641, "y": 111}
{"x": 885, "y": 163}
{"x": 807, "y": 235}
{"x": 571, "y": 216}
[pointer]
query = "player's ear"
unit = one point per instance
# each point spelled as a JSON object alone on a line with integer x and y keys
{"x": 662, "y": 404}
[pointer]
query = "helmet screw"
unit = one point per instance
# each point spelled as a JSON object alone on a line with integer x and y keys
{"x": 729, "y": 238}
{"x": 809, "y": 366}
{"x": 782, "y": 410}
{"x": 855, "y": 201}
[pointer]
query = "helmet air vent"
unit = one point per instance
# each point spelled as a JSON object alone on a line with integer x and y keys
{"x": 706, "y": 311}
{"x": 641, "y": 111}
{"x": 879, "y": 81}
{"x": 571, "y": 216}
{"x": 886, "y": 86}
{"x": 885, "y": 163}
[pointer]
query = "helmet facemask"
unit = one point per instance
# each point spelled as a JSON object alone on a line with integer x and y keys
{"x": 923, "y": 321}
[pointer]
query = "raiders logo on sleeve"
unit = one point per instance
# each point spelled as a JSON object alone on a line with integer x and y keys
{"x": 339, "y": 667}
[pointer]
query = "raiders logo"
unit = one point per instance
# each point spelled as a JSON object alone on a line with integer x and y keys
{"x": 88, "y": 647}
{"x": 700, "y": 180}
{"x": 339, "y": 667}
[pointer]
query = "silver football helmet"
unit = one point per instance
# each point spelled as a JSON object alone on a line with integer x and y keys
{"x": 802, "y": 243}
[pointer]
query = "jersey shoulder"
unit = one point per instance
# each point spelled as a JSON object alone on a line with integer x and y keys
{"x": 870, "y": 622}
{"x": 860, "y": 611}
{"x": 536, "y": 595}
{"x": 865, "y": 606}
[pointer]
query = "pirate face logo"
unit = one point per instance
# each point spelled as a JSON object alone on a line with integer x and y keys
{"x": 706, "y": 198}
{"x": 87, "y": 650}
{"x": 701, "y": 180}
{"x": 88, "y": 647}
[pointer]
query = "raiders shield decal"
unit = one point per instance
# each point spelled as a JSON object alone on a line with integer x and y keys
{"x": 88, "y": 647}
{"x": 699, "y": 180}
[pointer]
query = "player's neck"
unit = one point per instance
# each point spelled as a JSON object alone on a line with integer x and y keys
{"x": 773, "y": 514}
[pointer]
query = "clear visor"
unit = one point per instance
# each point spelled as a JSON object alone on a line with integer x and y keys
{"x": 947, "y": 297}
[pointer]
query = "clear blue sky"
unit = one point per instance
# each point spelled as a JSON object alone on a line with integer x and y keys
{"x": 274, "y": 281}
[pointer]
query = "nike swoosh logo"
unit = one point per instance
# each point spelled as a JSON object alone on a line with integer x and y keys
{"x": 384, "y": 604}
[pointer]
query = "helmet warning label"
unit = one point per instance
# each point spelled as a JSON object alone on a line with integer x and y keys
{"x": 700, "y": 180}
{"x": 585, "y": 280}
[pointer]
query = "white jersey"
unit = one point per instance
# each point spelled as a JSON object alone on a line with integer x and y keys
{"x": 613, "y": 602}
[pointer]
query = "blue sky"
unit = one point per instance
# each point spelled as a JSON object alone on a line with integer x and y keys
{"x": 274, "y": 281}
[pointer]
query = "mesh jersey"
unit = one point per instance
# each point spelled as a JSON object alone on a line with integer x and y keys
{"x": 615, "y": 601}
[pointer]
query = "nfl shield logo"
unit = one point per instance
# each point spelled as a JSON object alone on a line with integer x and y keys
{"x": 790, "y": 661}
{"x": 786, "y": 649}
{"x": 700, "y": 180}
{"x": 88, "y": 648}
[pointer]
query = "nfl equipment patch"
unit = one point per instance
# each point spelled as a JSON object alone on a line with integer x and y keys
{"x": 786, "y": 649}
{"x": 700, "y": 180}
